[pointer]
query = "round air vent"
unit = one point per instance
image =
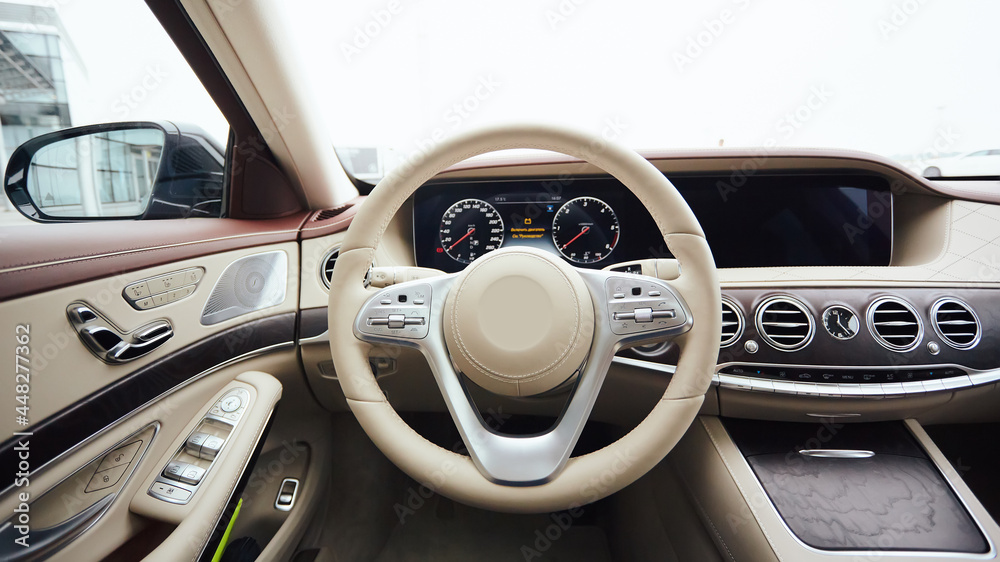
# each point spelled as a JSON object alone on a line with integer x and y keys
{"x": 785, "y": 323}
{"x": 732, "y": 322}
{"x": 329, "y": 261}
{"x": 895, "y": 324}
{"x": 956, "y": 323}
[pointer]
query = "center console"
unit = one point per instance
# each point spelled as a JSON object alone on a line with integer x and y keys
{"x": 816, "y": 491}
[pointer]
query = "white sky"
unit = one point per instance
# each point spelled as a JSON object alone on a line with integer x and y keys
{"x": 890, "y": 84}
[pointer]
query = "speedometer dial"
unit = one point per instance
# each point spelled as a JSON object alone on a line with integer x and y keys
{"x": 469, "y": 229}
{"x": 585, "y": 230}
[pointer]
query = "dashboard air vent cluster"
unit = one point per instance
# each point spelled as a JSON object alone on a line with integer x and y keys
{"x": 956, "y": 323}
{"x": 328, "y": 262}
{"x": 732, "y": 323}
{"x": 894, "y": 324}
{"x": 785, "y": 323}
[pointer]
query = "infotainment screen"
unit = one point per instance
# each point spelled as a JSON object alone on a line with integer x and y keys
{"x": 752, "y": 221}
{"x": 793, "y": 220}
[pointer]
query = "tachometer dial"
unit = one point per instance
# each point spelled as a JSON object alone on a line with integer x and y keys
{"x": 585, "y": 230}
{"x": 469, "y": 229}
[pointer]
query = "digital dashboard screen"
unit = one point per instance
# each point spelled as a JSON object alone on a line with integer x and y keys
{"x": 767, "y": 220}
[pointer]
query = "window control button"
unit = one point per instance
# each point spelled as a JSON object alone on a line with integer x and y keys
{"x": 211, "y": 447}
{"x": 192, "y": 474}
{"x": 194, "y": 443}
{"x": 174, "y": 469}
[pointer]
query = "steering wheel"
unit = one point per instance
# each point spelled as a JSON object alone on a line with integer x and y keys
{"x": 522, "y": 322}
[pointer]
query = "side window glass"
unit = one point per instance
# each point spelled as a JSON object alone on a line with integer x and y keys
{"x": 92, "y": 130}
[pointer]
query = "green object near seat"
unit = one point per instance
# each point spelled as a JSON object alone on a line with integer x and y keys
{"x": 225, "y": 536}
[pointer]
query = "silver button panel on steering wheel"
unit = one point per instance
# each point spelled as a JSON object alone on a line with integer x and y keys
{"x": 398, "y": 311}
{"x": 641, "y": 304}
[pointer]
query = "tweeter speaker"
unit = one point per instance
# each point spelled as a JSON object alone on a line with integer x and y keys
{"x": 249, "y": 284}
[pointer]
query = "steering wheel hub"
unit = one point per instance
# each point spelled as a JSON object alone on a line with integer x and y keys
{"x": 519, "y": 322}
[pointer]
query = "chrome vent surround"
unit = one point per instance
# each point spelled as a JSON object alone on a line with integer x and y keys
{"x": 956, "y": 323}
{"x": 785, "y": 323}
{"x": 732, "y": 322}
{"x": 329, "y": 260}
{"x": 895, "y": 324}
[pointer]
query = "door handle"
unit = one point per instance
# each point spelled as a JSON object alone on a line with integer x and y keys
{"x": 154, "y": 337}
{"x": 110, "y": 344}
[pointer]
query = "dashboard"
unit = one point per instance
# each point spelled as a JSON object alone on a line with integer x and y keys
{"x": 750, "y": 221}
{"x": 845, "y": 280}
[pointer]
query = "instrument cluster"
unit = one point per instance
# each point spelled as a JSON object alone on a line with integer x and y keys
{"x": 585, "y": 222}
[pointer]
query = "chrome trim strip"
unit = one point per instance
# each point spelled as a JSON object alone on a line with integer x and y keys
{"x": 834, "y": 390}
{"x": 324, "y": 337}
{"x": 649, "y": 365}
{"x": 837, "y": 453}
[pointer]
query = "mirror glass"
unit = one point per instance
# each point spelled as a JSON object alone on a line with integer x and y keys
{"x": 105, "y": 174}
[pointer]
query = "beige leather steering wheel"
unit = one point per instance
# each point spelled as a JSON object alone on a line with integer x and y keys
{"x": 523, "y": 322}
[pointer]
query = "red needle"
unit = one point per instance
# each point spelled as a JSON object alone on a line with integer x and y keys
{"x": 467, "y": 234}
{"x": 585, "y": 230}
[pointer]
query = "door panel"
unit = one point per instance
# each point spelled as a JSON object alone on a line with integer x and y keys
{"x": 63, "y": 370}
{"x": 174, "y": 414}
{"x": 80, "y": 407}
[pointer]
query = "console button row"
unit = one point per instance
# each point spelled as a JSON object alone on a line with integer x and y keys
{"x": 842, "y": 376}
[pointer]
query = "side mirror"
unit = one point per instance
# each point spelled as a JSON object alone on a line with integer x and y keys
{"x": 135, "y": 170}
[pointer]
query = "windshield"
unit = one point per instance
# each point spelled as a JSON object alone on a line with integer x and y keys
{"x": 912, "y": 80}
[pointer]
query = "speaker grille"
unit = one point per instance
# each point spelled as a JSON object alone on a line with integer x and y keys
{"x": 249, "y": 284}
